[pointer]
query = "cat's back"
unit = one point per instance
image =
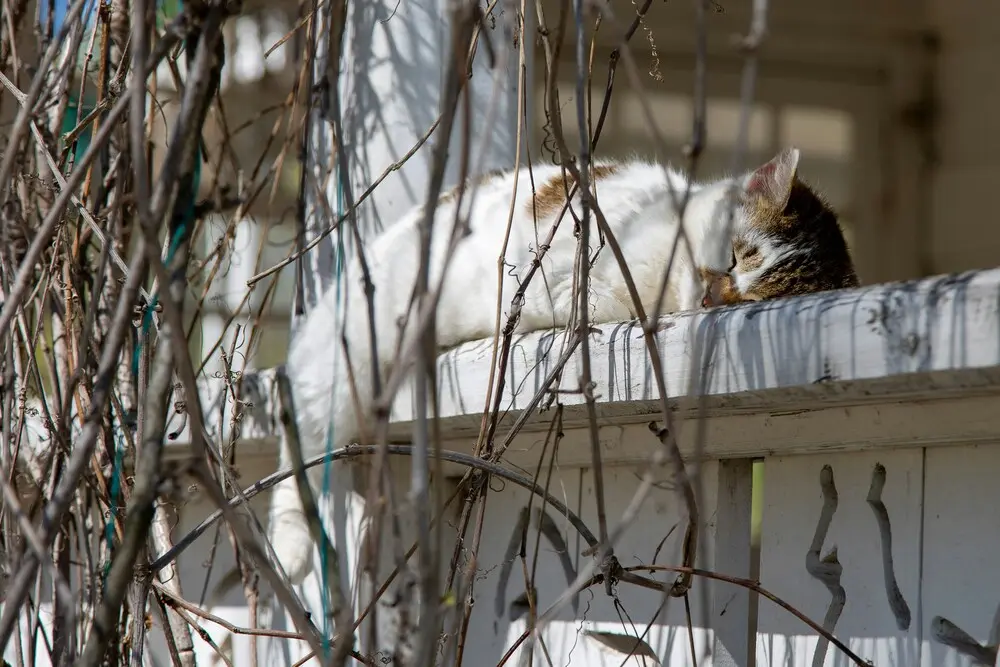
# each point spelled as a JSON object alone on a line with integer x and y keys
{"x": 531, "y": 199}
{"x": 527, "y": 201}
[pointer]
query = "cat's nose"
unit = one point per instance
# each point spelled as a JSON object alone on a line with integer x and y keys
{"x": 713, "y": 280}
{"x": 719, "y": 291}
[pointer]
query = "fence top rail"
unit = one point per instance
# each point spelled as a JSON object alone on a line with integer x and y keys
{"x": 884, "y": 355}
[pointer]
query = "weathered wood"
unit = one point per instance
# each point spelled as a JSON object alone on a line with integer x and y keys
{"x": 918, "y": 572}
{"x": 960, "y": 573}
{"x": 796, "y": 490}
{"x": 656, "y": 536}
{"x": 730, "y": 620}
{"x": 903, "y": 364}
{"x": 893, "y": 342}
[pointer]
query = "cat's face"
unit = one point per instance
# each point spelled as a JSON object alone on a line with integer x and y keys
{"x": 786, "y": 240}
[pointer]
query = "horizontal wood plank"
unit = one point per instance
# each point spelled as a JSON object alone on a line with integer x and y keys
{"x": 901, "y": 364}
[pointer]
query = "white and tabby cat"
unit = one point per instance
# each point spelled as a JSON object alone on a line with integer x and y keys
{"x": 785, "y": 241}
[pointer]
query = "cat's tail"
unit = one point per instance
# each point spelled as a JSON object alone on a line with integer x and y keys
{"x": 327, "y": 416}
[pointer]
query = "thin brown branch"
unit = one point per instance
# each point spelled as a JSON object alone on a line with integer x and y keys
{"x": 628, "y": 574}
{"x": 354, "y": 451}
{"x": 341, "y": 607}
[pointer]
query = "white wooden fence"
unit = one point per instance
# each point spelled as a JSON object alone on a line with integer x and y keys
{"x": 877, "y": 416}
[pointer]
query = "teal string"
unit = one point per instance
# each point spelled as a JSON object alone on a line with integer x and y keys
{"x": 147, "y": 321}
{"x": 74, "y": 110}
{"x": 109, "y": 532}
{"x": 338, "y": 270}
{"x": 147, "y": 315}
{"x": 70, "y": 120}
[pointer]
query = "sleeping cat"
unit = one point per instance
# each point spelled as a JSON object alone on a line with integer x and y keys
{"x": 760, "y": 268}
{"x": 785, "y": 241}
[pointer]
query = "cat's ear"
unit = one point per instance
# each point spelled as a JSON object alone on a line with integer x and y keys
{"x": 773, "y": 181}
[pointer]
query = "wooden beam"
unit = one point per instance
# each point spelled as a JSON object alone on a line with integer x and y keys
{"x": 843, "y": 370}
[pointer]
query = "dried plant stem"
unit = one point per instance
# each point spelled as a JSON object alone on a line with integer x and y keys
{"x": 341, "y": 608}
{"x": 12, "y": 506}
{"x": 172, "y": 196}
{"x": 463, "y": 25}
{"x": 180, "y": 603}
{"x": 629, "y": 575}
{"x": 502, "y": 257}
{"x": 48, "y": 227}
{"x": 64, "y": 493}
{"x": 583, "y": 279}
{"x": 169, "y": 581}
{"x": 571, "y": 345}
{"x": 395, "y": 166}
{"x": 24, "y": 115}
{"x": 246, "y": 539}
{"x": 139, "y": 587}
{"x": 137, "y": 115}
{"x": 750, "y": 45}
{"x": 685, "y": 483}
{"x": 203, "y": 79}
{"x": 354, "y": 451}
{"x": 141, "y": 504}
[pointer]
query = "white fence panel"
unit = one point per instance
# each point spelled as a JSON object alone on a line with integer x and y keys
{"x": 815, "y": 504}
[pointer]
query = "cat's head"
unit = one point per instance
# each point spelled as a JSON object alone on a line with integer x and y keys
{"x": 786, "y": 239}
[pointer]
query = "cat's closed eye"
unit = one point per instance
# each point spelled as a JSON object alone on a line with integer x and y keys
{"x": 748, "y": 258}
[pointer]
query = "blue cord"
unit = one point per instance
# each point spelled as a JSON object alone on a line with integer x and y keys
{"x": 147, "y": 320}
{"x": 147, "y": 317}
{"x": 109, "y": 533}
{"x": 338, "y": 270}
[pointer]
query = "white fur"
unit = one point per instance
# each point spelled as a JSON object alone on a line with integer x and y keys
{"x": 638, "y": 208}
